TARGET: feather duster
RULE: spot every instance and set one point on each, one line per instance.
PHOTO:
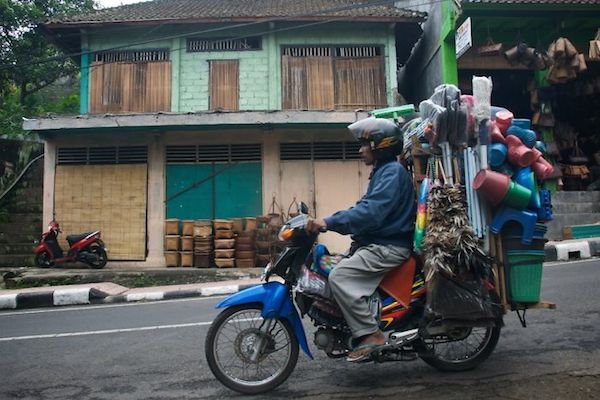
(450, 246)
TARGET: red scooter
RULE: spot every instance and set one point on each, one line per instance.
(85, 247)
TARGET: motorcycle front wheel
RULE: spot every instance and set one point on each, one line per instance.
(249, 354)
(102, 257)
(461, 349)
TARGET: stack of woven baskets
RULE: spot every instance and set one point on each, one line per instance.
(186, 255)
(245, 255)
(267, 246)
(224, 243)
(203, 243)
(172, 242)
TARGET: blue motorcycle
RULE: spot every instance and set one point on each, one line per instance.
(253, 344)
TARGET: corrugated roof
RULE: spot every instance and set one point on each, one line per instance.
(190, 10)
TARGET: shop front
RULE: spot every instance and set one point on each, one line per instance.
(544, 64)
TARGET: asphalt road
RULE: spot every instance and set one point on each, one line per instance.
(155, 351)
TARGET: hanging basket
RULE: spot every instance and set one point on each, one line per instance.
(490, 49)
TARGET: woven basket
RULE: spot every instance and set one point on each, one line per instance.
(224, 234)
(244, 240)
(188, 228)
(172, 227)
(187, 258)
(224, 253)
(172, 258)
(223, 224)
(225, 262)
(172, 242)
(245, 254)
(224, 243)
(187, 243)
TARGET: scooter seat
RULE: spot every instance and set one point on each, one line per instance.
(76, 238)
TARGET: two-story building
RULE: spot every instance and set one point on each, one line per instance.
(216, 109)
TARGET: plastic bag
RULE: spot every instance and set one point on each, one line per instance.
(312, 283)
(468, 300)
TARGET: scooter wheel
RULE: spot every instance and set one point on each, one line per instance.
(102, 257)
(43, 260)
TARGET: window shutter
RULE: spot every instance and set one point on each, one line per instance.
(224, 84)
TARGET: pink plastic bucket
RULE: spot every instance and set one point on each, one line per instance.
(493, 186)
(519, 154)
(504, 120)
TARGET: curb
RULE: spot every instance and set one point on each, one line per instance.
(567, 250)
(63, 297)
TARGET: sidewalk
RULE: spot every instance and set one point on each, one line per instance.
(96, 286)
(106, 292)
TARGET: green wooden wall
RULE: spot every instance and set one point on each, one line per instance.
(220, 190)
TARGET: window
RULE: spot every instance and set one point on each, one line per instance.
(319, 151)
(224, 84)
(179, 154)
(224, 44)
(102, 155)
(333, 77)
(130, 81)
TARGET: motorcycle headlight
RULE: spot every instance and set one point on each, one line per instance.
(285, 233)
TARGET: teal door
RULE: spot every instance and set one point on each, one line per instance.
(214, 190)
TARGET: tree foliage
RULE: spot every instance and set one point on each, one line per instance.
(22, 44)
(22, 77)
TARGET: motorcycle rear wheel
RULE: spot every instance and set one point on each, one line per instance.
(102, 257)
(43, 260)
(230, 342)
(461, 349)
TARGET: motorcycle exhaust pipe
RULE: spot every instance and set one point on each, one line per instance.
(399, 338)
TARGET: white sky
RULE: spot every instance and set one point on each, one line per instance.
(116, 3)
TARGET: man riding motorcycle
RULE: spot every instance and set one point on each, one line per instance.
(382, 227)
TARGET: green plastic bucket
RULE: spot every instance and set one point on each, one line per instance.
(524, 276)
(518, 196)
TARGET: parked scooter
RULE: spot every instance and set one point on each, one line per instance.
(252, 346)
(85, 247)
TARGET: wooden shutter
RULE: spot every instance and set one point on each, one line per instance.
(130, 87)
(224, 84)
(307, 83)
(359, 83)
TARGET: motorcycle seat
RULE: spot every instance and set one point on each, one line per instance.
(76, 238)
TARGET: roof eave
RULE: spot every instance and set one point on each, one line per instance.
(86, 24)
(88, 123)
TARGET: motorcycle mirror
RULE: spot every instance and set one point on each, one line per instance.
(303, 208)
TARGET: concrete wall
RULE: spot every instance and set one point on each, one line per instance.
(260, 70)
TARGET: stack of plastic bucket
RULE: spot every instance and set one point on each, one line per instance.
(524, 263)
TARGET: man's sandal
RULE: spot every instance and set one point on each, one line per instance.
(363, 352)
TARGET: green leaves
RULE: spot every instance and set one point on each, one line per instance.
(22, 78)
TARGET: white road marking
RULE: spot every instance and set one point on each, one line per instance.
(104, 332)
(96, 307)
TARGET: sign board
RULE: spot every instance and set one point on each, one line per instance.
(464, 40)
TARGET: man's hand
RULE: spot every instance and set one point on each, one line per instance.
(316, 225)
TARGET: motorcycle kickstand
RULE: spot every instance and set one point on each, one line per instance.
(262, 341)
